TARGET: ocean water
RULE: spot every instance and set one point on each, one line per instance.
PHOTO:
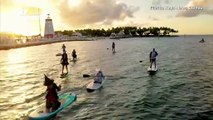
(182, 89)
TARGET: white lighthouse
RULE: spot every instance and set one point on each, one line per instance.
(48, 31)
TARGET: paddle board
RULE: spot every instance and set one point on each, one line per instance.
(152, 69)
(63, 75)
(71, 60)
(66, 99)
(94, 86)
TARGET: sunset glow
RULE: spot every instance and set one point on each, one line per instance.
(74, 3)
(78, 14)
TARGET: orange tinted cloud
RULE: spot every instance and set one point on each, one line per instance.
(94, 11)
(197, 7)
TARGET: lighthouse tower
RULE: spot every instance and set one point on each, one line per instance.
(48, 31)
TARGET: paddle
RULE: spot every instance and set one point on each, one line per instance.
(59, 54)
(86, 75)
(141, 61)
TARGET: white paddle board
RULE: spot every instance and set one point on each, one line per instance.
(94, 86)
(153, 68)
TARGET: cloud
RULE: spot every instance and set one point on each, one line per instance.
(169, 16)
(153, 18)
(24, 7)
(132, 23)
(94, 11)
(159, 2)
(199, 7)
(6, 5)
(167, 1)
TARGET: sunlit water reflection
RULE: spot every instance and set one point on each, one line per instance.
(181, 89)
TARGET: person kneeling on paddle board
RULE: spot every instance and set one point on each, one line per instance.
(52, 102)
(99, 77)
(152, 56)
(64, 61)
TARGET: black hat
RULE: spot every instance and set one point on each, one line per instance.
(47, 81)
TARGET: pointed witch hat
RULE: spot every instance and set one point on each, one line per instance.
(47, 81)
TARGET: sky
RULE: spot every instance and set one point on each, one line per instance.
(186, 16)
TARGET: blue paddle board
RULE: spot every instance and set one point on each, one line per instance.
(66, 99)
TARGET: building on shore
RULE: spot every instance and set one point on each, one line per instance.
(49, 30)
(77, 34)
(119, 35)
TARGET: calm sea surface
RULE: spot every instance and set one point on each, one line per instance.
(182, 89)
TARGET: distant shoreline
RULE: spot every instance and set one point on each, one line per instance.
(47, 41)
(148, 36)
(36, 43)
(44, 42)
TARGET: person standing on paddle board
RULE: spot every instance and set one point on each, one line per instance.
(74, 56)
(113, 47)
(63, 47)
(99, 77)
(51, 96)
(152, 56)
(64, 61)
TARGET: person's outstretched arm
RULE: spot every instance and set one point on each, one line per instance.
(58, 88)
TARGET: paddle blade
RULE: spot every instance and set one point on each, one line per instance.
(140, 61)
(59, 54)
(86, 75)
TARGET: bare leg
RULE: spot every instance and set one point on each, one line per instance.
(151, 64)
(62, 69)
(66, 68)
(155, 64)
(47, 110)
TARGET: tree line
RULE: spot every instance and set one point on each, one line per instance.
(133, 31)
